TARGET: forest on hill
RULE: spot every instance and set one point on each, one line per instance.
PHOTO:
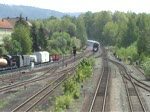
(30, 12)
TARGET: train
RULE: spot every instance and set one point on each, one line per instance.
(93, 45)
(18, 61)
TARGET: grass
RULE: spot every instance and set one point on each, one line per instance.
(3, 103)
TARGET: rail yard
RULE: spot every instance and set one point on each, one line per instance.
(113, 86)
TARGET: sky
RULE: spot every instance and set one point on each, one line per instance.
(137, 6)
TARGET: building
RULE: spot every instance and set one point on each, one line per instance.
(7, 25)
(13, 21)
(5, 29)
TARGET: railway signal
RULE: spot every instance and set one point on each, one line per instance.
(74, 51)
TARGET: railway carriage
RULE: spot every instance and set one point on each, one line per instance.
(42, 56)
(54, 57)
(17, 61)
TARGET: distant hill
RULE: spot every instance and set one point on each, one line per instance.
(30, 12)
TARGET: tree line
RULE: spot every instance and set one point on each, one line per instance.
(60, 34)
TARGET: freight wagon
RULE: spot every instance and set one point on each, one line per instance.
(42, 56)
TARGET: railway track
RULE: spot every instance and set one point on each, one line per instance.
(48, 77)
(43, 76)
(9, 78)
(100, 96)
(136, 81)
(66, 61)
(139, 83)
(23, 83)
(96, 100)
(31, 102)
(139, 70)
(134, 98)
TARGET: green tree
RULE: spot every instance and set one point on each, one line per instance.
(16, 47)
(100, 19)
(81, 30)
(88, 18)
(7, 43)
(131, 34)
(146, 67)
(53, 26)
(21, 21)
(72, 29)
(3, 51)
(42, 38)
(21, 35)
(34, 37)
(143, 44)
(121, 20)
(76, 42)
(109, 33)
(12, 46)
(61, 42)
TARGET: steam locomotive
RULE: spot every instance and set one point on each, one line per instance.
(93, 45)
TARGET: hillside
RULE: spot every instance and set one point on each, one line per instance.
(30, 12)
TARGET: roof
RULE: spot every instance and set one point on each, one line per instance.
(13, 21)
(93, 41)
(4, 24)
(41, 52)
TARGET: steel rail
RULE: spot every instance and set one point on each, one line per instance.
(124, 71)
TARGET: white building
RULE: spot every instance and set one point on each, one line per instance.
(5, 29)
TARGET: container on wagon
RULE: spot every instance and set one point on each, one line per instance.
(42, 56)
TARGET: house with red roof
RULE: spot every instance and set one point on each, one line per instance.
(7, 25)
(5, 29)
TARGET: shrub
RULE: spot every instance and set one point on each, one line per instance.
(146, 67)
(129, 51)
(63, 102)
(71, 86)
(68, 100)
(84, 70)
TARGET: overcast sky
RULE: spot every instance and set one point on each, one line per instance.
(136, 6)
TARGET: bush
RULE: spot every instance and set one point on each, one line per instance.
(68, 100)
(3, 51)
(76, 93)
(63, 102)
(146, 67)
(71, 86)
(129, 51)
(84, 70)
